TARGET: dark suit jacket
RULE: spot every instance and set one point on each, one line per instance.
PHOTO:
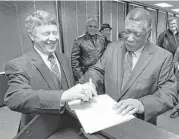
(168, 41)
(152, 80)
(31, 88)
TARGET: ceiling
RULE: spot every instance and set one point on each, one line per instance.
(152, 2)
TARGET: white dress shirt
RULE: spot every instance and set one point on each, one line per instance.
(45, 58)
(135, 56)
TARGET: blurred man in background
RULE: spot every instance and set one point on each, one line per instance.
(169, 39)
(87, 49)
(105, 31)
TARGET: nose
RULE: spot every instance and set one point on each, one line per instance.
(130, 37)
(53, 37)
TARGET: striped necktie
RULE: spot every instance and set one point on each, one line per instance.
(54, 66)
(127, 68)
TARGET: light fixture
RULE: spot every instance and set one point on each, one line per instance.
(176, 10)
(163, 5)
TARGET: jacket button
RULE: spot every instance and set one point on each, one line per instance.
(28, 133)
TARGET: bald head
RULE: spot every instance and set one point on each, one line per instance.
(140, 14)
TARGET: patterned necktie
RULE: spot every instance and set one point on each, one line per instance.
(54, 66)
(127, 68)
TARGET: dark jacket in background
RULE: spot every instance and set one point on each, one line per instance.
(168, 41)
(86, 51)
(176, 63)
(106, 42)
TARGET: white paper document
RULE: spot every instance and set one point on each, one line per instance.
(98, 114)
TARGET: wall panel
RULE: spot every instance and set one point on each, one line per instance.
(81, 14)
(107, 12)
(9, 31)
(161, 23)
(23, 10)
(74, 17)
(69, 25)
(114, 20)
(153, 36)
(121, 16)
(91, 9)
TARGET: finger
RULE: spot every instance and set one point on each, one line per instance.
(94, 92)
(117, 105)
(90, 94)
(135, 110)
(87, 94)
(121, 108)
(90, 81)
(127, 110)
(89, 91)
(81, 96)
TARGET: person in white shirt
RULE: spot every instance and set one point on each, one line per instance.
(41, 81)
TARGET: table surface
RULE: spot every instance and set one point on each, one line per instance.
(133, 129)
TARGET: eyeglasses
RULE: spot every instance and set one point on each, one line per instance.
(175, 114)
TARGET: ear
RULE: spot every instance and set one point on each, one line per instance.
(149, 33)
(31, 37)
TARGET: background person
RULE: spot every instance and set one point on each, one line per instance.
(169, 39)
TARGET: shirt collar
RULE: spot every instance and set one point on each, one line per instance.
(44, 56)
(172, 32)
(138, 51)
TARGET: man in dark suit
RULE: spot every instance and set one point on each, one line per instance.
(137, 73)
(40, 81)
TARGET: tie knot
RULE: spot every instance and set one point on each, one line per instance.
(129, 53)
(51, 57)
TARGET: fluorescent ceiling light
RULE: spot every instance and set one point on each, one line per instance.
(176, 10)
(163, 5)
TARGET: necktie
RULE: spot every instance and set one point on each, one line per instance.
(54, 66)
(127, 69)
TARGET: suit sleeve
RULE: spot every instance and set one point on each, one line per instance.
(75, 60)
(165, 96)
(96, 72)
(22, 98)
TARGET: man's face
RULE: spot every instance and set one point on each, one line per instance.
(92, 27)
(106, 32)
(135, 35)
(46, 38)
(172, 25)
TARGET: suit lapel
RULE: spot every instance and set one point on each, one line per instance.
(64, 67)
(144, 60)
(121, 57)
(42, 68)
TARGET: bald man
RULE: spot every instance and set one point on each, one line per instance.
(87, 49)
(137, 73)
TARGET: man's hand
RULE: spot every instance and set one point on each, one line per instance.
(129, 106)
(178, 67)
(84, 92)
